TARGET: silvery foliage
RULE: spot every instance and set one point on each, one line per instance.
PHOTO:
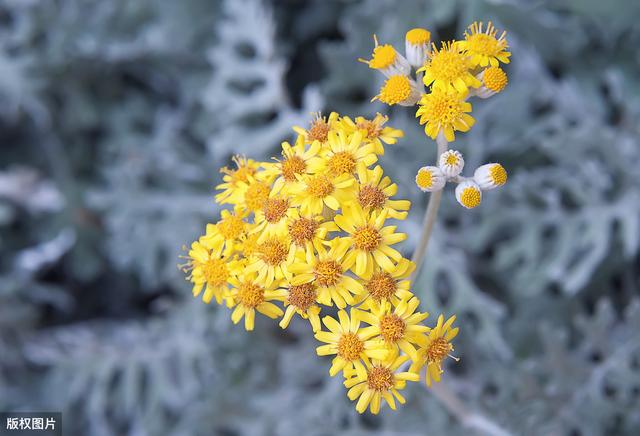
(116, 117)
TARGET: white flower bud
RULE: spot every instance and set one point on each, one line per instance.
(417, 46)
(451, 163)
(468, 194)
(430, 179)
(490, 176)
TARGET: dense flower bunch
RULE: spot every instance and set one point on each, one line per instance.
(445, 78)
(309, 231)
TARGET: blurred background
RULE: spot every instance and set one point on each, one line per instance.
(115, 117)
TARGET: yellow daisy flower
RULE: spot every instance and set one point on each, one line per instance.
(374, 193)
(438, 347)
(391, 286)
(327, 271)
(398, 326)
(484, 47)
(273, 218)
(319, 128)
(444, 111)
(249, 294)
(209, 270)
(344, 153)
(373, 131)
(345, 341)
(448, 69)
(317, 190)
(301, 299)
(398, 89)
(379, 380)
(271, 260)
(308, 233)
(230, 228)
(234, 180)
(369, 240)
(296, 161)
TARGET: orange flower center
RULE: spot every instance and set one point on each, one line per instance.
(391, 328)
(342, 163)
(250, 294)
(380, 378)
(319, 130)
(327, 272)
(274, 209)
(273, 251)
(302, 230)
(381, 286)
(371, 196)
(350, 347)
(302, 296)
(437, 350)
(319, 186)
(366, 238)
(292, 166)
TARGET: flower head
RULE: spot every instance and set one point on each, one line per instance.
(484, 47)
(490, 176)
(437, 348)
(448, 69)
(451, 163)
(373, 131)
(378, 381)
(318, 129)
(398, 89)
(417, 46)
(209, 270)
(468, 194)
(250, 294)
(430, 179)
(444, 112)
(301, 299)
(375, 192)
(387, 60)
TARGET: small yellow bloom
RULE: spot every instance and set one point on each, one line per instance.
(438, 348)
(375, 192)
(391, 286)
(296, 161)
(319, 128)
(416, 46)
(483, 46)
(328, 271)
(344, 152)
(400, 90)
(273, 218)
(230, 228)
(271, 260)
(387, 60)
(444, 111)
(369, 240)
(399, 326)
(373, 131)
(308, 233)
(319, 190)
(345, 341)
(249, 294)
(448, 69)
(301, 299)
(234, 180)
(209, 270)
(468, 194)
(378, 381)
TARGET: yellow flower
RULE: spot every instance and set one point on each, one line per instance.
(391, 286)
(448, 69)
(234, 180)
(444, 111)
(272, 219)
(230, 228)
(438, 347)
(468, 194)
(296, 161)
(416, 46)
(398, 89)
(210, 270)
(387, 60)
(301, 299)
(250, 294)
(271, 260)
(344, 153)
(345, 341)
(398, 326)
(369, 240)
(327, 271)
(317, 190)
(374, 193)
(484, 47)
(308, 233)
(379, 380)
(374, 130)
(253, 195)
(319, 128)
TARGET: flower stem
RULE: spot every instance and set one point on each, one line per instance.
(430, 214)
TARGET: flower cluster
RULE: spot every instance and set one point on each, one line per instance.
(445, 78)
(308, 236)
(469, 189)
